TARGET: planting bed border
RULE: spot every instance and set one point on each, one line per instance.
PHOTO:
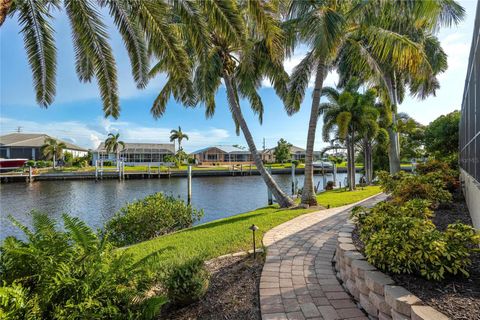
(375, 291)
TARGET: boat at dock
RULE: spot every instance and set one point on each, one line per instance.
(11, 164)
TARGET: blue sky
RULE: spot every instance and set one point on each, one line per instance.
(76, 115)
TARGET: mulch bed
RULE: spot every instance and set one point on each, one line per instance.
(457, 297)
(232, 294)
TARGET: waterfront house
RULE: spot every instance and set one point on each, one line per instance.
(296, 153)
(28, 146)
(222, 155)
(137, 153)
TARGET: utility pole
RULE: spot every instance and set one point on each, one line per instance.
(19, 129)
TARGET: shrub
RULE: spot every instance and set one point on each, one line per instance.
(80, 162)
(295, 162)
(71, 274)
(30, 163)
(188, 282)
(41, 164)
(402, 239)
(440, 170)
(329, 185)
(404, 187)
(150, 217)
(108, 163)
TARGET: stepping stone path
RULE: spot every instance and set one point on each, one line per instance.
(298, 280)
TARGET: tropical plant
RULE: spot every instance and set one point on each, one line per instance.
(93, 54)
(187, 282)
(113, 144)
(71, 273)
(53, 149)
(351, 116)
(412, 137)
(153, 216)
(403, 239)
(239, 43)
(282, 151)
(178, 135)
(329, 29)
(441, 135)
(415, 65)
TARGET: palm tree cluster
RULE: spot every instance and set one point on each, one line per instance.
(201, 45)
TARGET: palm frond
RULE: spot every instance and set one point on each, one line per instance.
(91, 44)
(133, 39)
(225, 16)
(37, 33)
(299, 82)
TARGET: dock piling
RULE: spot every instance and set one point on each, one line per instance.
(270, 196)
(294, 191)
(189, 185)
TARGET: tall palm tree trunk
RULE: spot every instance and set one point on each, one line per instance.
(281, 197)
(351, 163)
(368, 161)
(5, 6)
(308, 194)
(394, 143)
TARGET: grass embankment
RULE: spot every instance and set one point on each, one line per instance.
(231, 234)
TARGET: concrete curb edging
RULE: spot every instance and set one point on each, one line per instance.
(375, 291)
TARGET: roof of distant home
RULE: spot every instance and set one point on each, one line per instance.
(293, 150)
(141, 147)
(32, 140)
(225, 149)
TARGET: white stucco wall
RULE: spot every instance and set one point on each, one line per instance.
(471, 190)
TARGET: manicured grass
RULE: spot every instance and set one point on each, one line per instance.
(231, 234)
(344, 165)
(340, 197)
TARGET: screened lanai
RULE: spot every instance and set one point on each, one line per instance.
(137, 153)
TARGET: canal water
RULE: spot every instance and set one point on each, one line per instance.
(95, 203)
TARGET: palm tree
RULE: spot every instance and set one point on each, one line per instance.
(138, 22)
(52, 149)
(113, 143)
(419, 20)
(331, 28)
(179, 136)
(242, 44)
(351, 116)
(326, 27)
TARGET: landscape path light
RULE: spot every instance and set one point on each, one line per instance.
(254, 228)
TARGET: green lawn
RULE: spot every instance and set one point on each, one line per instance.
(232, 234)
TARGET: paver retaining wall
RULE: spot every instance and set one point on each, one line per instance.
(375, 291)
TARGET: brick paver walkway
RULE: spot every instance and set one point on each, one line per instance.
(298, 280)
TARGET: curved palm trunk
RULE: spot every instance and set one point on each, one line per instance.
(308, 194)
(281, 197)
(5, 6)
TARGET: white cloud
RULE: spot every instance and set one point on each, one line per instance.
(91, 135)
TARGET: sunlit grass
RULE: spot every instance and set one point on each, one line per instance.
(231, 234)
